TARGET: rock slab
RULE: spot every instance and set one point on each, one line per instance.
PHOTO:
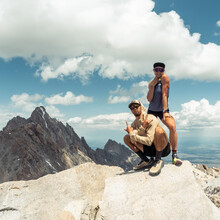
(174, 194)
(70, 194)
(97, 192)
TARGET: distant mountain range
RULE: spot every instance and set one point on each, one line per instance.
(40, 145)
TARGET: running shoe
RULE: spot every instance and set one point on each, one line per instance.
(156, 168)
(144, 164)
(176, 160)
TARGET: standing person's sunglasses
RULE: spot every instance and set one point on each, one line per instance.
(159, 70)
(134, 106)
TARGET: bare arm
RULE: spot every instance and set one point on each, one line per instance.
(165, 86)
(151, 86)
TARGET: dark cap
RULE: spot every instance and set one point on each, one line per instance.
(134, 102)
(159, 64)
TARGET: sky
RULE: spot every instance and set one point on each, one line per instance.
(85, 60)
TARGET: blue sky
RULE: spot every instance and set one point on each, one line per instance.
(85, 60)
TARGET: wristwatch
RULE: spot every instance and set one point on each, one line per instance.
(166, 111)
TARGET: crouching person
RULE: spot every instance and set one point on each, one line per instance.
(147, 139)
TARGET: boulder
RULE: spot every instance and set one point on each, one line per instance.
(70, 194)
(91, 191)
(209, 179)
(174, 194)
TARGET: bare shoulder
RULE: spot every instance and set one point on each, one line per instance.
(165, 79)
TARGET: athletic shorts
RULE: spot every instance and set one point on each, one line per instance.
(156, 114)
(151, 150)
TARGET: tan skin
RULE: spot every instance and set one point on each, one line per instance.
(168, 119)
(160, 138)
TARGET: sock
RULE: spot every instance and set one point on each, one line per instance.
(158, 155)
(174, 151)
(142, 155)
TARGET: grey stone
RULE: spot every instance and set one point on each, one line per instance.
(98, 192)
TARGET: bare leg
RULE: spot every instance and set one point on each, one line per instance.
(133, 147)
(160, 139)
(138, 149)
(160, 142)
(170, 123)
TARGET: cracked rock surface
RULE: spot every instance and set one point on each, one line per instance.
(99, 192)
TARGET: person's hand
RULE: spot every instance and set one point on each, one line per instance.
(154, 81)
(129, 128)
(165, 115)
(146, 122)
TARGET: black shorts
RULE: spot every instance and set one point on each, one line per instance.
(156, 114)
(151, 150)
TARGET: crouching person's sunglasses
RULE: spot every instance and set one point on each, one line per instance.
(134, 106)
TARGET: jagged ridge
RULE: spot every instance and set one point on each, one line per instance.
(40, 145)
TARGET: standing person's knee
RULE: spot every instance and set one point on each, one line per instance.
(172, 128)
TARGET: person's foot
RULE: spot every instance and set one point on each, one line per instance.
(176, 160)
(144, 164)
(156, 168)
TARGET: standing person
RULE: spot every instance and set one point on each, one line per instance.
(146, 138)
(158, 93)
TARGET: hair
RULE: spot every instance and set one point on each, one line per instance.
(159, 64)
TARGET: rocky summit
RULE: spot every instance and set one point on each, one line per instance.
(209, 179)
(99, 192)
(31, 148)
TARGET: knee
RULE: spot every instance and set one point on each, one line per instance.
(172, 128)
(126, 139)
(160, 134)
(159, 131)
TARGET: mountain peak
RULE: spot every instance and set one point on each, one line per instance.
(40, 145)
(40, 116)
(33, 147)
(41, 111)
(113, 146)
(14, 123)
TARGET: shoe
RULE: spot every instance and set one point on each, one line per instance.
(144, 165)
(176, 160)
(156, 168)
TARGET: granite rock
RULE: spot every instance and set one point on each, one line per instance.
(90, 191)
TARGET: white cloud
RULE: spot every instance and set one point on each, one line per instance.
(218, 23)
(123, 37)
(80, 67)
(137, 91)
(198, 114)
(54, 112)
(26, 102)
(75, 120)
(105, 121)
(68, 99)
(117, 99)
